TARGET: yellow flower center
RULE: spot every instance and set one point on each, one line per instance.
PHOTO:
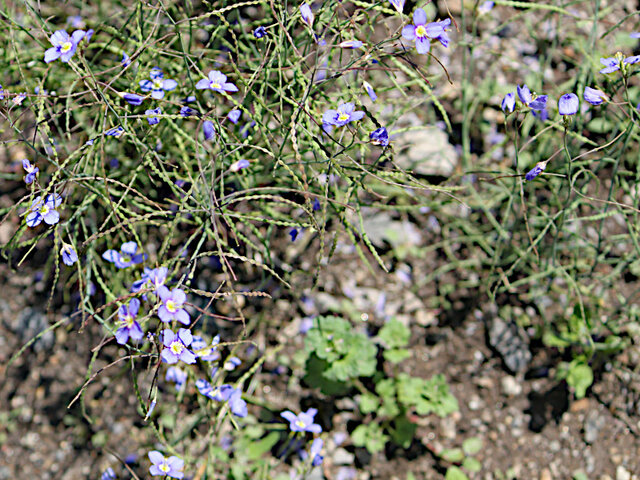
(300, 423)
(127, 321)
(66, 46)
(44, 210)
(163, 467)
(157, 84)
(176, 348)
(421, 31)
(343, 117)
(215, 85)
(171, 306)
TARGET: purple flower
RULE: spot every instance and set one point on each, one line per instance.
(634, 34)
(216, 81)
(611, 64)
(31, 170)
(209, 130)
(207, 353)
(369, 89)
(593, 96)
(350, 44)
(239, 165)
(632, 60)
(314, 452)
(128, 325)
(293, 233)
(379, 137)
(316, 205)
(1, 93)
(568, 104)
(423, 33)
(132, 98)
(535, 171)
(234, 115)
(157, 84)
(126, 61)
(151, 115)
(126, 257)
(205, 388)
(306, 14)
(343, 115)
(44, 210)
(397, 4)
(171, 308)
(176, 346)
(179, 377)
(302, 422)
(69, 255)
(509, 102)
(64, 46)
(18, 99)
(259, 32)
(542, 115)
(169, 467)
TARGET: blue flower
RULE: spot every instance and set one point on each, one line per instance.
(306, 14)
(486, 7)
(593, 96)
(535, 171)
(343, 115)
(179, 377)
(293, 233)
(132, 98)
(31, 170)
(314, 452)
(234, 115)
(128, 326)
(380, 137)
(126, 257)
(157, 84)
(509, 102)
(216, 81)
(64, 45)
(175, 346)
(115, 131)
(397, 4)
(108, 474)
(568, 104)
(187, 111)
(239, 165)
(525, 96)
(165, 467)
(423, 33)
(126, 61)
(69, 255)
(209, 130)
(172, 305)
(611, 64)
(151, 115)
(237, 405)
(259, 32)
(207, 353)
(350, 44)
(44, 210)
(1, 93)
(369, 89)
(231, 364)
(302, 422)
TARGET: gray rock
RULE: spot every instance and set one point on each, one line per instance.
(426, 151)
(510, 342)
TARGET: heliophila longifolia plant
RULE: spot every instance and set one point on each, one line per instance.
(164, 158)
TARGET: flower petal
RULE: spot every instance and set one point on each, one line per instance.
(419, 17)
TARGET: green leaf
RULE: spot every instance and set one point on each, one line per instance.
(471, 464)
(368, 403)
(600, 125)
(394, 334)
(453, 455)
(454, 473)
(427, 396)
(396, 355)
(580, 377)
(258, 448)
(472, 445)
(403, 432)
(369, 436)
(315, 378)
